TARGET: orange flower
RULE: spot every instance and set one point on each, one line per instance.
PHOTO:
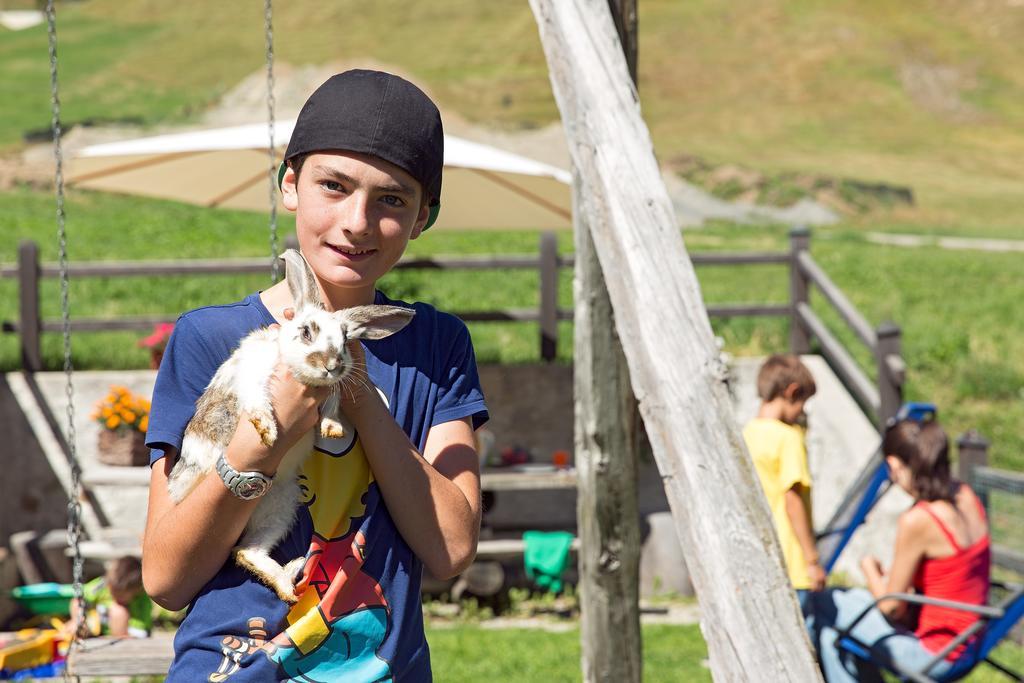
(121, 407)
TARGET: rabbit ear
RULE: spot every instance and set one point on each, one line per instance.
(375, 322)
(301, 281)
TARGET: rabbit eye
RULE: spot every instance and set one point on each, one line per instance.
(307, 336)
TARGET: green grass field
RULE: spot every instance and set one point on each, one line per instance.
(671, 653)
(467, 653)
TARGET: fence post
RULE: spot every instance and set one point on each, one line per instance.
(890, 381)
(972, 450)
(548, 296)
(29, 325)
(799, 241)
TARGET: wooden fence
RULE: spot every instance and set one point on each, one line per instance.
(879, 400)
(974, 469)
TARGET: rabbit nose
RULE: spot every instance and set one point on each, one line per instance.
(335, 366)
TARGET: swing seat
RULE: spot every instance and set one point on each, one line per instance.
(994, 623)
(861, 497)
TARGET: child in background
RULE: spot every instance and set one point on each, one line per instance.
(775, 440)
(116, 604)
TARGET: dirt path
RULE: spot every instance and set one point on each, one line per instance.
(246, 103)
(953, 243)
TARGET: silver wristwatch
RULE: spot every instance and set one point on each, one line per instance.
(245, 485)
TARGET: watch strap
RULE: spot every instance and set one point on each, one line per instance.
(233, 479)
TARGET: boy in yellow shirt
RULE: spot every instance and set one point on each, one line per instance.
(776, 444)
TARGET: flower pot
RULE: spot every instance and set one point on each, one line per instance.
(126, 447)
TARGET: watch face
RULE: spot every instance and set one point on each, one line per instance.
(252, 488)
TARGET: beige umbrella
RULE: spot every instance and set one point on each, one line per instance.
(484, 187)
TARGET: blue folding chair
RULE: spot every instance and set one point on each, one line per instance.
(994, 623)
(870, 485)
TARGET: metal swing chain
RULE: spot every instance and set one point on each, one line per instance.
(74, 504)
(268, 15)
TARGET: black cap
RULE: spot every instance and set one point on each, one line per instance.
(375, 113)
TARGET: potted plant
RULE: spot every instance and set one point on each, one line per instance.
(123, 418)
(156, 343)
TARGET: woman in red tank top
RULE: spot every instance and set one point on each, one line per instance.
(942, 551)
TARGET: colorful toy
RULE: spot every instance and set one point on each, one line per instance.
(45, 598)
(34, 652)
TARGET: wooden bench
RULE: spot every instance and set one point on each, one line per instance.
(123, 656)
(506, 548)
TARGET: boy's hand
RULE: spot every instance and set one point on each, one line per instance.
(295, 405)
(817, 575)
(295, 412)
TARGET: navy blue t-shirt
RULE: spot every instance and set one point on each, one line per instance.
(359, 617)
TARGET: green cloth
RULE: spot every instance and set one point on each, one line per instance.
(140, 609)
(545, 555)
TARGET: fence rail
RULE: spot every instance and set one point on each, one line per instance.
(879, 400)
(999, 480)
(974, 470)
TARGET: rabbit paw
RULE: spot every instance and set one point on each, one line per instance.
(286, 591)
(331, 429)
(270, 573)
(294, 569)
(266, 426)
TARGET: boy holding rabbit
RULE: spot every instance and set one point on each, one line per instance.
(399, 491)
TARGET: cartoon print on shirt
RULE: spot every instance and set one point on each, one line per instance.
(234, 649)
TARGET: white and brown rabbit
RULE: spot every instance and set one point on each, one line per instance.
(312, 345)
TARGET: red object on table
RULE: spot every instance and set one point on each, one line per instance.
(515, 455)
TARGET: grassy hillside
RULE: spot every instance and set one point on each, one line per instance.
(929, 94)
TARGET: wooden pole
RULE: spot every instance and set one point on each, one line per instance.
(29, 324)
(972, 451)
(799, 242)
(751, 620)
(548, 312)
(624, 15)
(890, 388)
(606, 464)
(606, 428)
